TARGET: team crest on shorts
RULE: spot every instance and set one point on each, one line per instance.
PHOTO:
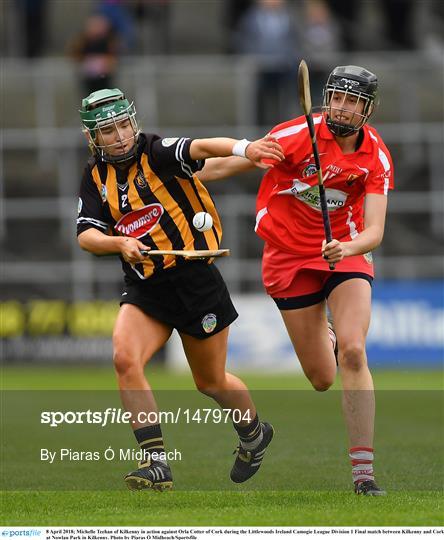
(368, 257)
(309, 170)
(209, 322)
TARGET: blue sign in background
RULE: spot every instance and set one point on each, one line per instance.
(407, 326)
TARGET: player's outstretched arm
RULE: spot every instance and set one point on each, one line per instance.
(256, 151)
(219, 168)
(99, 243)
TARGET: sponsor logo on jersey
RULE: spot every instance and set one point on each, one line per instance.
(368, 257)
(209, 323)
(335, 198)
(309, 170)
(140, 180)
(296, 188)
(79, 206)
(310, 195)
(103, 193)
(169, 141)
(140, 222)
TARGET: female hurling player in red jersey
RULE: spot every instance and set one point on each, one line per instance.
(358, 173)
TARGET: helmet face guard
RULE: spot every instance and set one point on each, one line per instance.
(106, 108)
(349, 81)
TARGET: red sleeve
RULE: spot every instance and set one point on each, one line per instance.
(381, 179)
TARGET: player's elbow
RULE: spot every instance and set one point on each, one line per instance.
(83, 242)
(209, 172)
(377, 235)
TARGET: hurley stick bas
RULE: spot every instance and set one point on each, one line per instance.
(305, 100)
(187, 253)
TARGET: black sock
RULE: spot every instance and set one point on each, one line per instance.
(151, 442)
(250, 435)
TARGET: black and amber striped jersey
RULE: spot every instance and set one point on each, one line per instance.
(154, 200)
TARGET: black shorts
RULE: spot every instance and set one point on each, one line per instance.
(192, 298)
(330, 283)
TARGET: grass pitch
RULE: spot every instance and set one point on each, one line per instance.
(305, 478)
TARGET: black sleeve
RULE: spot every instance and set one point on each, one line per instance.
(90, 210)
(171, 157)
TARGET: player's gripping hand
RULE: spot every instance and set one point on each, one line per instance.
(130, 250)
(265, 152)
(334, 251)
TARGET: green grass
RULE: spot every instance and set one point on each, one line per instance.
(305, 480)
(215, 508)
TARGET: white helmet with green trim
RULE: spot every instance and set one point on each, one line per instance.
(102, 109)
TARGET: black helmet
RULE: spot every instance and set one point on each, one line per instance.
(358, 82)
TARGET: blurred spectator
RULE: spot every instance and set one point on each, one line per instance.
(433, 40)
(397, 18)
(398, 15)
(33, 17)
(346, 14)
(234, 12)
(321, 37)
(120, 17)
(95, 50)
(267, 31)
(321, 31)
(152, 19)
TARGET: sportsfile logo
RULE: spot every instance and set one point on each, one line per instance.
(21, 533)
(140, 222)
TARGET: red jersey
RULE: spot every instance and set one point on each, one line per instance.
(288, 211)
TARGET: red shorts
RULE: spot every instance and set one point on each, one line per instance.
(308, 280)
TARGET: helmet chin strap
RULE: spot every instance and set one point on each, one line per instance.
(341, 130)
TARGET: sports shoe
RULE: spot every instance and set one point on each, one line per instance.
(248, 462)
(368, 487)
(331, 331)
(150, 475)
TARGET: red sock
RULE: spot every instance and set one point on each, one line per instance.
(362, 463)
